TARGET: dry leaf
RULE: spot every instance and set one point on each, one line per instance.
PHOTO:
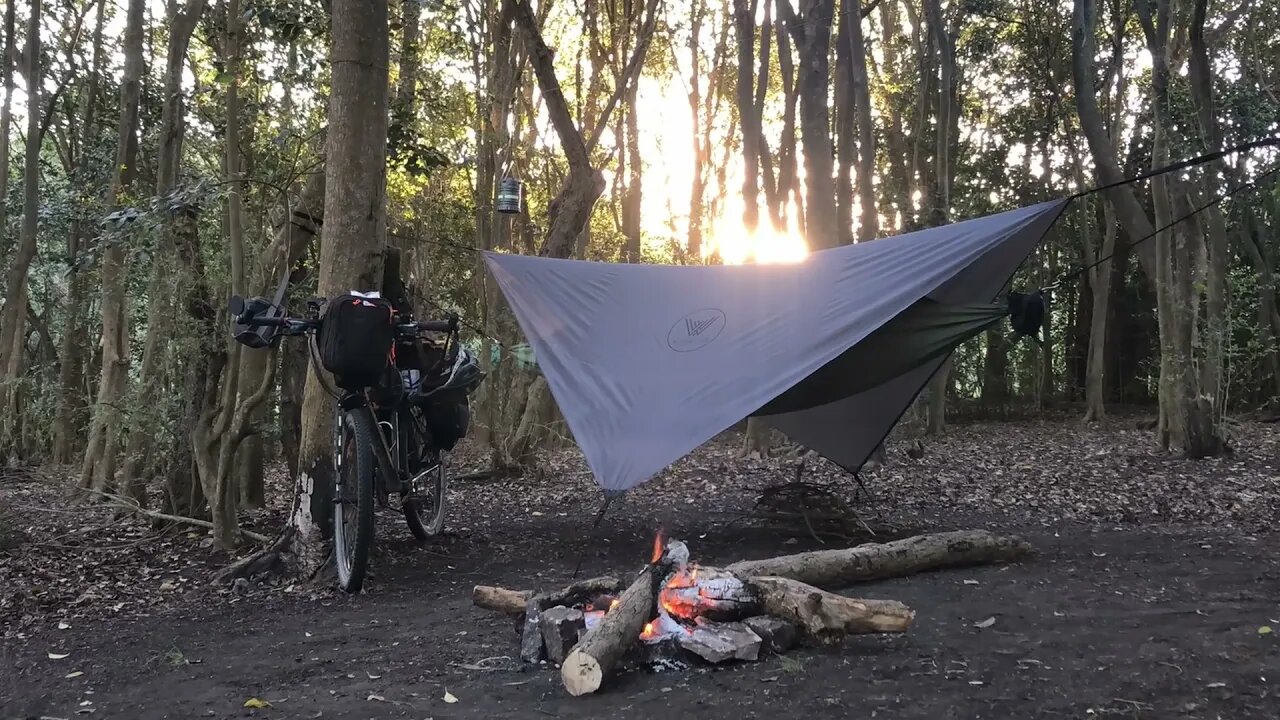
(986, 623)
(63, 626)
(75, 674)
(1264, 630)
(56, 656)
(375, 698)
(372, 676)
(449, 698)
(970, 582)
(254, 702)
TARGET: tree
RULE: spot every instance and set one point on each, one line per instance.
(13, 317)
(355, 234)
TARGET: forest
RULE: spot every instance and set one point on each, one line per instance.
(162, 156)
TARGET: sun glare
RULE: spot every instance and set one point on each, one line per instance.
(766, 244)
(667, 134)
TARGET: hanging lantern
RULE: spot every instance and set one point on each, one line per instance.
(510, 196)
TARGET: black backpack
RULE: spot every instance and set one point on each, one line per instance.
(357, 340)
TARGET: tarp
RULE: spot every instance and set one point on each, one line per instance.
(647, 362)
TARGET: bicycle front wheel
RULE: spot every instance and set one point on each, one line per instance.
(353, 498)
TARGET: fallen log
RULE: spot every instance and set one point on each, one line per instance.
(513, 602)
(825, 616)
(599, 650)
(876, 561)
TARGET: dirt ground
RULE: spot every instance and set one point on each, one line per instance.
(1142, 604)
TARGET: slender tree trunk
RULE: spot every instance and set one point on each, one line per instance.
(632, 203)
(13, 317)
(182, 24)
(845, 121)
(68, 426)
(98, 470)
(697, 187)
(811, 30)
(869, 217)
(351, 255)
(6, 117)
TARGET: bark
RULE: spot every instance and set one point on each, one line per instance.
(845, 122)
(869, 217)
(825, 616)
(1129, 211)
(757, 442)
(811, 31)
(182, 24)
(790, 198)
(351, 255)
(632, 201)
(6, 117)
(1216, 319)
(895, 136)
(744, 14)
(938, 384)
(600, 649)
(940, 213)
(513, 602)
(570, 210)
(98, 470)
(68, 425)
(410, 53)
(701, 147)
(14, 314)
(878, 561)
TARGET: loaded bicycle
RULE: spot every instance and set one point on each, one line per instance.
(401, 404)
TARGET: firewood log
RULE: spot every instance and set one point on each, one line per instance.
(513, 602)
(875, 561)
(826, 616)
(600, 649)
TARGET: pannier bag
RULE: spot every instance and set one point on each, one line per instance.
(357, 339)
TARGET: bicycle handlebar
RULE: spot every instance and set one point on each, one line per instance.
(243, 314)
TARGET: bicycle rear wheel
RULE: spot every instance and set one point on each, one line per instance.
(353, 498)
(423, 504)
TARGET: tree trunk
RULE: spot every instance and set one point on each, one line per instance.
(151, 375)
(98, 470)
(937, 424)
(13, 317)
(845, 122)
(1132, 217)
(68, 426)
(6, 117)
(351, 255)
(833, 569)
(869, 217)
(811, 31)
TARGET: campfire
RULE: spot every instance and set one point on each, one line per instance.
(676, 612)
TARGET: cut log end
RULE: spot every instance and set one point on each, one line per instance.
(581, 673)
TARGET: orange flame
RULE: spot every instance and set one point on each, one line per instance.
(613, 603)
(658, 545)
(647, 632)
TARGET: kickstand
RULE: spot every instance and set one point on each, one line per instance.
(595, 524)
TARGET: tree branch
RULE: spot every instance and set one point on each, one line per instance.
(629, 74)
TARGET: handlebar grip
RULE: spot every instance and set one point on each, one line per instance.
(259, 321)
(436, 326)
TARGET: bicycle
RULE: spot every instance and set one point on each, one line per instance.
(401, 404)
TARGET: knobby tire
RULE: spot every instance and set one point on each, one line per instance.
(353, 538)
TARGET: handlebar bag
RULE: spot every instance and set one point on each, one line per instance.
(356, 340)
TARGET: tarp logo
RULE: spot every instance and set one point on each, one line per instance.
(696, 330)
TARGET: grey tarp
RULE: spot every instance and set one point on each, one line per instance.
(647, 362)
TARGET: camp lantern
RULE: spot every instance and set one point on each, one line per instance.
(510, 196)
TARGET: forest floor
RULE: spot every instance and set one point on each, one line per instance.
(1154, 585)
